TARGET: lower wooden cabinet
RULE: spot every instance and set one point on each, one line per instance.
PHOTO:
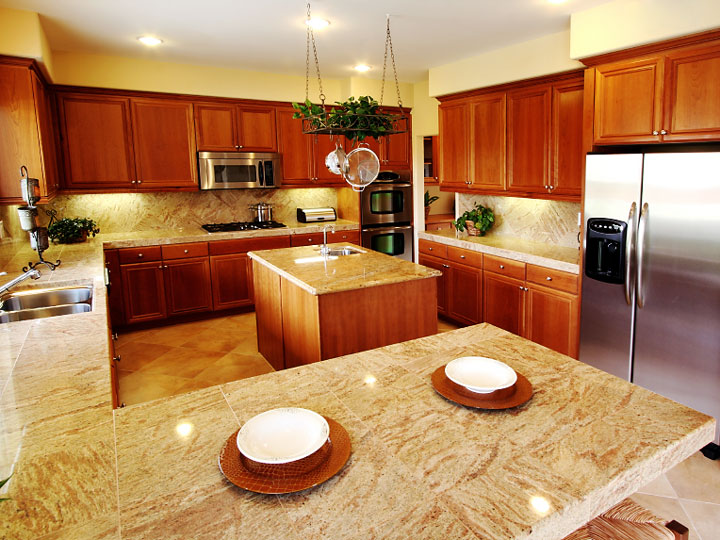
(310, 239)
(143, 291)
(551, 319)
(232, 280)
(187, 286)
(442, 287)
(504, 302)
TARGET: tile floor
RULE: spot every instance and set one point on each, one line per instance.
(176, 359)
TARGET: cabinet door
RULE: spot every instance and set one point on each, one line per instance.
(216, 127)
(187, 285)
(465, 294)
(50, 180)
(322, 145)
(97, 142)
(692, 95)
(397, 151)
(296, 148)
(256, 129)
(143, 291)
(528, 139)
(503, 302)
(19, 142)
(487, 142)
(628, 101)
(309, 239)
(442, 281)
(164, 143)
(454, 121)
(114, 288)
(231, 281)
(552, 319)
(567, 149)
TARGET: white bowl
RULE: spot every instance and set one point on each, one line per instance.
(282, 435)
(480, 374)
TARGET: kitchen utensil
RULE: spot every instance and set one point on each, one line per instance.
(480, 374)
(363, 167)
(522, 391)
(28, 217)
(336, 161)
(263, 211)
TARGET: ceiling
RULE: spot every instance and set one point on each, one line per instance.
(269, 35)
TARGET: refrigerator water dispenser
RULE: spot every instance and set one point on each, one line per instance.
(605, 250)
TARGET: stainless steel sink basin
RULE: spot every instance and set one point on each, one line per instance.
(341, 252)
(41, 298)
(40, 313)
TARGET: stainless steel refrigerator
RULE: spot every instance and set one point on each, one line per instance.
(651, 283)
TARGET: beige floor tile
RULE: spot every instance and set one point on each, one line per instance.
(697, 478)
(660, 486)
(182, 362)
(139, 386)
(214, 340)
(705, 518)
(138, 353)
(173, 335)
(232, 367)
(246, 345)
(667, 508)
(446, 326)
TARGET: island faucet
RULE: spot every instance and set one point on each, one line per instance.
(33, 274)
(324, 249)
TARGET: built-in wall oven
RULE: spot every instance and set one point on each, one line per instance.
(386, 214)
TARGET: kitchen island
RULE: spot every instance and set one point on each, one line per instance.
(311, 307)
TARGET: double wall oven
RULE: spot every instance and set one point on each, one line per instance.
(386, 214)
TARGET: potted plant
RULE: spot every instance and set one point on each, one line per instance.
(428, 201)
(477, 221)
(72, 230)
(355, 118)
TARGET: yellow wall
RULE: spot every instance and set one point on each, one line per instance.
(21, 34)
(541, 56)
(424, 114)
(627, 23)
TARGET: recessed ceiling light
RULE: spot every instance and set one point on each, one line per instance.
(362, 68)
(150, 41)
(316, 23)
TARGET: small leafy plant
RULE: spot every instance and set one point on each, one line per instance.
(481, 217)
(355, 118)
(429, 200)
(72, 230)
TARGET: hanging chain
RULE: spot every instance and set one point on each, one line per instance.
(311, 38)
(388, 45)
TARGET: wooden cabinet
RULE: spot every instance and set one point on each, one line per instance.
(143, 292)
(113, 277)
(97, 142)
(164, 144)
(442, 281)
(187, 285)
(431, 160)
(394, 151)
(504, 302)
(454, 144)
(551, 319)
(669, 94)
(487, 142)
(230, 127)
(567, 156)
(26, 136)
(309, 239)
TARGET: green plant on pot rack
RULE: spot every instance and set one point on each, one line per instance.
(477, 221)
(428, 201)
(72, 230)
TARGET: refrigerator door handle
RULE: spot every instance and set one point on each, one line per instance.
(642, 231)
(629, 252)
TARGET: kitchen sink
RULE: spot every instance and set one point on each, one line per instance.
(45, 298)
(40, 313)
(341, 252)
(41, 303)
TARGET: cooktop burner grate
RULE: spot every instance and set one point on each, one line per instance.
(242, 226)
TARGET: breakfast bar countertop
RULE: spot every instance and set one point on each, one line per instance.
(309, 270)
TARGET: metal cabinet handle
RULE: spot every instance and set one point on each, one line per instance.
(445, 266)
(642, 231)
(655, 132)
(186, 251)
(133, 181)
(629, 253)
(663, 132)
(116, 358)
(166, 266)
(462, 256)
(430, 249)
(502, 267)
(240, 145)
(522, 288)
(160, 267)
(548, 278)
(139, 181)
(140, 255)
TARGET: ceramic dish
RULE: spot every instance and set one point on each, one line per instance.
(480, 374)
(505, 398)
(235, 471)
(282, 435)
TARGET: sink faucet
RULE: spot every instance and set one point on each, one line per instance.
(324, 249)
(33, 274)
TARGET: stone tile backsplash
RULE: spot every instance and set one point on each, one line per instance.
(553, 222)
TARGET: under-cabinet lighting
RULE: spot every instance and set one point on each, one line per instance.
(150, 41)
(316, 23)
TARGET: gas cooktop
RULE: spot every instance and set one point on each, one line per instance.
(242, 226)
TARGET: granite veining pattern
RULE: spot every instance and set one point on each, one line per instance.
(421, 467)
(316, 274)
(547, 255)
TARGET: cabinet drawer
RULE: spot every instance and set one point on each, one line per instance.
(183, 251)
(344, 236)
(505, 267)
(306, 239)
(140, 254)
(243, 245)
(465, 256)
(433, 248)
(555, 279)
(439, 226)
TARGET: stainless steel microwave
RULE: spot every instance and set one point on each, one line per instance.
(235, 170)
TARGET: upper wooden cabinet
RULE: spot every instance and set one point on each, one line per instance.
(394, 151)
(26, 136)
(566, 146)
(164, 144)
(229, 128)
(662, 95)
(454, 154)
(487, 141)
(97, 142)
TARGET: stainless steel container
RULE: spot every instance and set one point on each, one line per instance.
(263, 211)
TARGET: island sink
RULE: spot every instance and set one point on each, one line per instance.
(42, 303)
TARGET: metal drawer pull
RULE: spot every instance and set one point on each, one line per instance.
(462, 256)
(445, 266)
(548, 278)
(663, 132)
(186, 251)
(656, 133)
(429, 249)
(502, 267)
(160, 267)
(140, 255)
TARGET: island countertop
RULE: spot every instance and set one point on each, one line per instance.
(305, 267)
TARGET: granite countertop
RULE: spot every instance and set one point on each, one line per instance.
(421, 467)
(316, 274)
(547, 255)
